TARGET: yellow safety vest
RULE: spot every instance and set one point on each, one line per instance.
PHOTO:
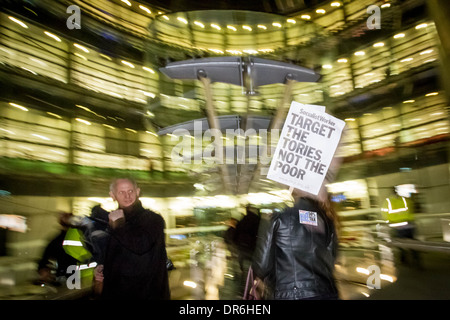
(397, 211)
(73, 245)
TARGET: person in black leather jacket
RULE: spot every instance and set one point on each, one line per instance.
(296, 250)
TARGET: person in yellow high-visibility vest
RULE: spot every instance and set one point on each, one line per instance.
(398, 212)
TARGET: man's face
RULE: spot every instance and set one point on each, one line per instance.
(125, 193)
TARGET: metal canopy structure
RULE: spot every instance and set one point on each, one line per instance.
(249, 73)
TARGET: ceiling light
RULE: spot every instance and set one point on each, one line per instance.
(83, 107)
(83, 121)
(426, 52)
(127, 2)
(40, 137)
(431, 94)
(406, 60)
(291, 21)
(359, 53)
(79, 46)
(399, 35)
(18, 22)
(147, 94)
(165, 17)
(51, 35)
(378, 45)
(321, 11)
(54, 115)
(327, 66)
(131, 130)
(409, 101)
(231, 28)
(342, 60)
(247, 27)
(145, 9)
(234, 51)
(182, 20)
(108, 126)
(422, 25)
(215, 26)
(276, 24)
(18, 106)
(80, 55)
(305, 16)
(148, 69)
(335, 4)
(127, 63)
(152, 133)
(262, 26)
(198, 23)
(385, 5)
(216, 50)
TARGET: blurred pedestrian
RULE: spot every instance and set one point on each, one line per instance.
(297, 248)
(245, 241)
(55, 260)
(245, 236)
(135, 258)
(229, 236)
(398, 212)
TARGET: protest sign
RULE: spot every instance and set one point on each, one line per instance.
(307, 144)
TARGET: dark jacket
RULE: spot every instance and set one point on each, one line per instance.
(296, 255)
(135, 260)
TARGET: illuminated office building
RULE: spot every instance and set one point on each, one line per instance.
(81, 104)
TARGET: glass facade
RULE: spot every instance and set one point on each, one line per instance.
(81, 106)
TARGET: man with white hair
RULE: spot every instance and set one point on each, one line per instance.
(135, 258)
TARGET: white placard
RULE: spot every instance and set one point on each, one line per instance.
(307, 144)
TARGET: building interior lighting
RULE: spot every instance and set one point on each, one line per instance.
(129, 64)
(51, 35)
(181, 19)
(359, 53)
(276, 24)
(80, 56)
(198, 23)
(421, 26)
(232, 28)
(79, 46)
(215, 26)
(291, 21)
(399, 36)
(18, 22)
(54, 115)
(148, 69)
(262, 26)
(40, 136)
(305, 16)
(145, 9)
(18, 106)
(128, 3)
(335, 4)
(83, 121)
(248, 28)
(321, 11)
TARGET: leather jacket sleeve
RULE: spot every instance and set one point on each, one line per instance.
(264, 255)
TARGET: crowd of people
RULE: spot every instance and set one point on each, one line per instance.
(292, 252)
